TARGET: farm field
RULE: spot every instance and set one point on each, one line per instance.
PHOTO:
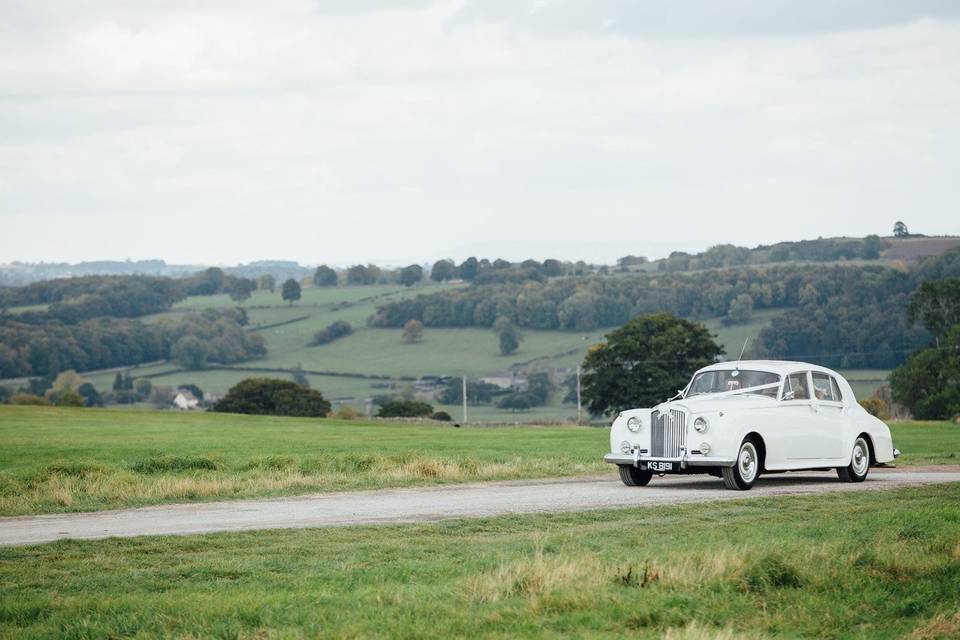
(877, 564)
(57, 459)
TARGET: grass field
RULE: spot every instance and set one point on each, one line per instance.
(54, 459)
(877, 564)
(85, 459)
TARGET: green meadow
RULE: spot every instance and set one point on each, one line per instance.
(61, 459)
(873, 564)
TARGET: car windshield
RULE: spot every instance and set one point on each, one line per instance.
(733, 380)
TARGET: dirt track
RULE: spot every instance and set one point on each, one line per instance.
(431, 503)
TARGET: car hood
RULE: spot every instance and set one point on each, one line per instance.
(706, 403)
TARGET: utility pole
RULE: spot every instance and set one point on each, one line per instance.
(464, 398)
(579, 403)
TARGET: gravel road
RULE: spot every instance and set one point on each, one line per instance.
(431, 503)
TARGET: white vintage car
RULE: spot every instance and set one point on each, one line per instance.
(736, 420)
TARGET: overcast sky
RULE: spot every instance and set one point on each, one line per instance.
(367, 130)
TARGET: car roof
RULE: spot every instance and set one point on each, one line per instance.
(781, 367)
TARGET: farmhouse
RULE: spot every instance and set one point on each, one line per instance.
(185, 400)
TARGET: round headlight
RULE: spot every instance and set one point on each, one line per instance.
(625, 447)
(634, 424)
(705, 448)
(700, 425)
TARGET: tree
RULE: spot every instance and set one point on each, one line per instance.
(411, 275)
(118, 382)
(363, 275)
(190, 352)
(405, 409)
(644, 362)
(936, 305)
(194, 389)
(325, 277)
(331, 332)
(928, 383)
(143, 387)
(469, 269)
(413, 331)
(552, 267)
(267, 396)
(741, 309)
(241, 289)
(69, 398)
(507, 334)
(516, 402)
(443, 270)
(300, 377)
(67, 381)
(290, 291)
(267, 282)
(900, 230)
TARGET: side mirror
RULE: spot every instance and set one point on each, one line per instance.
(789, 395)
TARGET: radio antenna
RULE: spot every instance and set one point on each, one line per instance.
(742, 349)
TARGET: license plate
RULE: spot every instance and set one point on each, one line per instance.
(660, 466)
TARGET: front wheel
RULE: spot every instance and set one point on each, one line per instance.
(859, 465)
(743, 474)
(634, 477)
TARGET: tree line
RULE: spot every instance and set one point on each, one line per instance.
(840, 315)
(192, 341)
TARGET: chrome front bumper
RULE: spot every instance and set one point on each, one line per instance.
(684, 461)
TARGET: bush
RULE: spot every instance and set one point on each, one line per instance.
(443, 416)
(28, 399)
(347, 412)
(516, 402)
(69, 398)
(331, 332)
(266, 396)
(405, 409)
(876, 407)
(770, 572)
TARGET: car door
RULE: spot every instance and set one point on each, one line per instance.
(828, 404)
(800, 426)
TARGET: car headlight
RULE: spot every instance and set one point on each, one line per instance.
(634, 424)
(625, 447)
(705, 448)
(700, 424)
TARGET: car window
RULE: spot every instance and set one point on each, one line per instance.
(836, 389)
(797, 382)
(719, 381)
(823, 386)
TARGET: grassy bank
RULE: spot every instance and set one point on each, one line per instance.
(55, 459)
(879, 564)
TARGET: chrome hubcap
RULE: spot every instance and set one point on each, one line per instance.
(861, 457)
(747, 463)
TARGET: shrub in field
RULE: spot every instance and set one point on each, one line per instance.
(405, 409)
(876, 407)
(26, 398)
(770, 572)
(347, 412)
(331, 332)
(266, 396)
(443, 416)
(164, 463)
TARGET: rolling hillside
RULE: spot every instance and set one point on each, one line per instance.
(375, 361)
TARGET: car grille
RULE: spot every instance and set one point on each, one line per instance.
(668, 433)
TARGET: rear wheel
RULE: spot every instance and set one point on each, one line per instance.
(859, 465)
(744, 472)
(634, 477)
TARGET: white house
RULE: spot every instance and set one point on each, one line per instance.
(184, 400)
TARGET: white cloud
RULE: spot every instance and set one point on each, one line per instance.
(310, 131)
